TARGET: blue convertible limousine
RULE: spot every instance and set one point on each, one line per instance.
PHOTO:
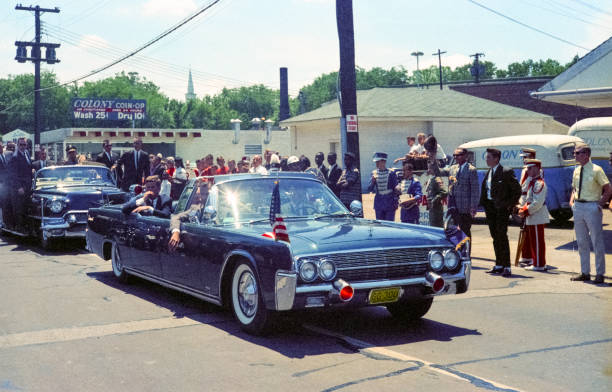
(228, 253)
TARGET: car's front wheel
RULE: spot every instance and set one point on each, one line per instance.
(117, 263)
(247, 301)
(410, 310)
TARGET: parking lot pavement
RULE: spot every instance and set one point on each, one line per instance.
(561, 249)
(66, 324)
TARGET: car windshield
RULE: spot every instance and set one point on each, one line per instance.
(249, 200)
(73, 175)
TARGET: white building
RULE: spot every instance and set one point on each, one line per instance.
(388, 115)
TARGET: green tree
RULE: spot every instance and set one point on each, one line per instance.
(17, 103)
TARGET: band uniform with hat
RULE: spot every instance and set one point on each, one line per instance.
(383, 183)
(532, 205)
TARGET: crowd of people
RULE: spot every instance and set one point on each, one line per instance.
(500, 193)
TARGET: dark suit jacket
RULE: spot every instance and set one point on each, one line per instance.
(332, 178)
(131, 173)
(505, 189)
(158, 171)
(36, 165)
(102, 158)
(325, 170)
(163, 209)
(4, 177)
(20, 172)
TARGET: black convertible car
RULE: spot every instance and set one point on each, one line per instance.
(229, 255)
(61, 197)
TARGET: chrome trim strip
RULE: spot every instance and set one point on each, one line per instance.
(170, 285)
(327, 287)
(284, 289)
(378, 248)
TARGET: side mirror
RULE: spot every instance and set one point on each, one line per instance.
(209, 213)
(356, 208)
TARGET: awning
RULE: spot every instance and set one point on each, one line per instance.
(600, 97)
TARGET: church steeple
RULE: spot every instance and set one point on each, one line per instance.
(190, 94)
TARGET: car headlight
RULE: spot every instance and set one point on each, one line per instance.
(308, 270)
(56, 206)
(451, 259)
(327, 270)
(436, 260)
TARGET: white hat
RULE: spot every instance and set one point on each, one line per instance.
(292, 159)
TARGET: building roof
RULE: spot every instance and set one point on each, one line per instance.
(419, 103)
(572, 87)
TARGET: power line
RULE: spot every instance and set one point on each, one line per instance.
(568, 15)
(143, 47)
(591, 6)
(526, 25)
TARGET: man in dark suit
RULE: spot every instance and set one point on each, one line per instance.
(20, 173)
(135, 165)
(42, 162)
(500, 192)
(151, 202)
(319, 159)
(334, 173)
(107, 157)
(4, 185)
(195, 213)
(463, 189)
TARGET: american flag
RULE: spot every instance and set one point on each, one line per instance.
(279, 229)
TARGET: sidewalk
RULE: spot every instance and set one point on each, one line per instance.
(561, 249)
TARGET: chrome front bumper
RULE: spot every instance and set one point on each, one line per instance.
(450, 285)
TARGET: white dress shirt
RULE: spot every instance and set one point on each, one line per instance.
(489, 181)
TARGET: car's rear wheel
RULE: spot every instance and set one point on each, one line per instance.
(247, 301)
(410, 310)
(117, 264)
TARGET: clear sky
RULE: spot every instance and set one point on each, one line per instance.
(241, 42)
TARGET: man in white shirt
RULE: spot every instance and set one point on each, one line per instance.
(256, 166)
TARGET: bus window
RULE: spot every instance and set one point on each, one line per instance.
(567, 153)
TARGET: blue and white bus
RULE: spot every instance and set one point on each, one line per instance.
(556, 153)
(597, 133)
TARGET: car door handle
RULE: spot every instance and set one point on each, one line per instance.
(150, 237)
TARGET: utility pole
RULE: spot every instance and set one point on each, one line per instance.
(417, 54)
(35, 57)
(347, 98)
(439, 54)
(477, 69)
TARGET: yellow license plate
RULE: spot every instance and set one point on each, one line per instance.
(381, 296)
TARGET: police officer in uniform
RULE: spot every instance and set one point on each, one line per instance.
(72, 158)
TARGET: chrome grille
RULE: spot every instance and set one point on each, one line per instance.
(384, 272)
(378, 257)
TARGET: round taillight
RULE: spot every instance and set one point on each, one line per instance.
(438, 285)
(346, 294)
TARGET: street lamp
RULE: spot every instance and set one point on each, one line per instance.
(417, 54)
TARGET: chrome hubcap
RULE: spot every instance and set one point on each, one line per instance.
(247, 294)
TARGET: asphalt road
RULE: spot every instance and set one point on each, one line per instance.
(67, 325)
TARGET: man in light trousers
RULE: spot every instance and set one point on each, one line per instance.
(590, 191)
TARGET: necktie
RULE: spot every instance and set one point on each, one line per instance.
(580, 184)
(42, 164)
(136, 159)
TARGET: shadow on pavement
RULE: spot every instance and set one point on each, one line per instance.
(65, 246)
(573, 245)
(288, 337)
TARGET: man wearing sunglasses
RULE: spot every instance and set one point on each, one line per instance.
(590, 191)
